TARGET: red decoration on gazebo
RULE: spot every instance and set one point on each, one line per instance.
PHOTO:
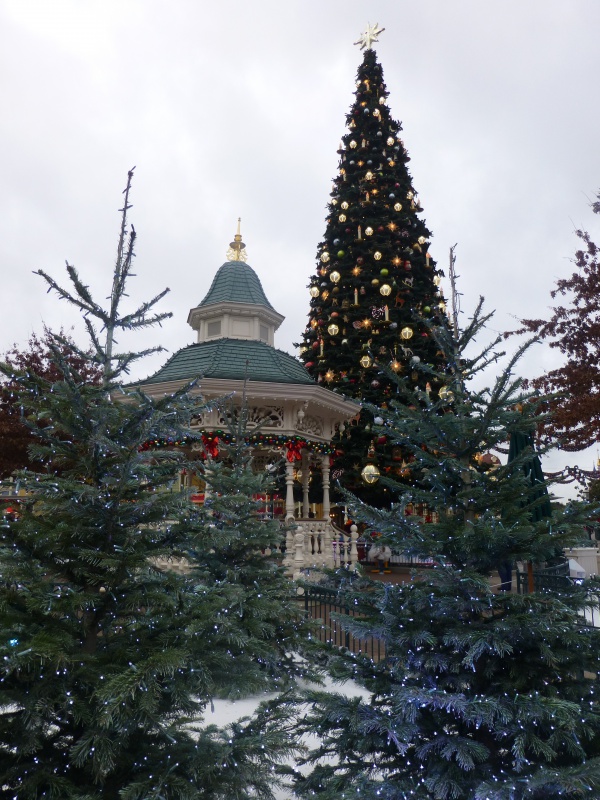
(294, 451)
(211, 445)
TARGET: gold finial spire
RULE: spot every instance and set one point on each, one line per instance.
(237, 249)
(369, 36)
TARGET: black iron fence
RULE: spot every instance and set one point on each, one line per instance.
(323, 605)
(547, 579)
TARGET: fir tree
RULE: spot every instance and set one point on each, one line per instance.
(481, 694)
(124, 609)
(375, 282)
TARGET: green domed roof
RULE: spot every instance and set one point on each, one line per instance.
(233, 359)
(236, 282)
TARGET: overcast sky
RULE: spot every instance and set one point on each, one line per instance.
(236, 109)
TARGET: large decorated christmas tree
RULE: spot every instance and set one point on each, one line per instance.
(375, 286)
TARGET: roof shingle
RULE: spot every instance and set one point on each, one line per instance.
(236, 282)
(233, 359)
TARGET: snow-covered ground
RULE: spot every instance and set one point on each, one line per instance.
(226, 712)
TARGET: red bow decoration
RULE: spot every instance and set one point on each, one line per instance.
(211, 445)
(293, 451)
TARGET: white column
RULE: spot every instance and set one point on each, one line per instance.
(325, 473)
(353, 547)
(288, 560)
(289, 489)
(305, 479)
(298, 553)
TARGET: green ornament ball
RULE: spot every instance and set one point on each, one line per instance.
(427, 309)
(384, 272)
(341, 253)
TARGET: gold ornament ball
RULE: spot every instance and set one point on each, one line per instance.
(370, 473)
(314, 291)
(382, 102)
(333, 330)
(345, 205)
(437, 280)
(369, 231)
(406, 333)
(421, 240)
(353, 144)
(365, 361)
(369, 176)
(386, 289)
(342, 218)
(335, 276)
(325, 257)
(377, 255)
(397, 206)
(446, 394)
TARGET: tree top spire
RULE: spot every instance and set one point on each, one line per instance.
(371, 35)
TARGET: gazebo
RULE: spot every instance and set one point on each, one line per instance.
(235, 357)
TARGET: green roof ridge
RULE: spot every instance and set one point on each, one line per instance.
(236, 282)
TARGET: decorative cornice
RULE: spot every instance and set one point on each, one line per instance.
(211, 388)
(268, 315)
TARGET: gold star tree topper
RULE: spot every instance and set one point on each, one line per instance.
(369, 36)
(237, 249)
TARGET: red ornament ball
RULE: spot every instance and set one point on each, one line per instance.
(380, 229)
(360, 260)
(375, 384)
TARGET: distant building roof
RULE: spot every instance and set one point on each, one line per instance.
(234, 359)
(236, 282)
